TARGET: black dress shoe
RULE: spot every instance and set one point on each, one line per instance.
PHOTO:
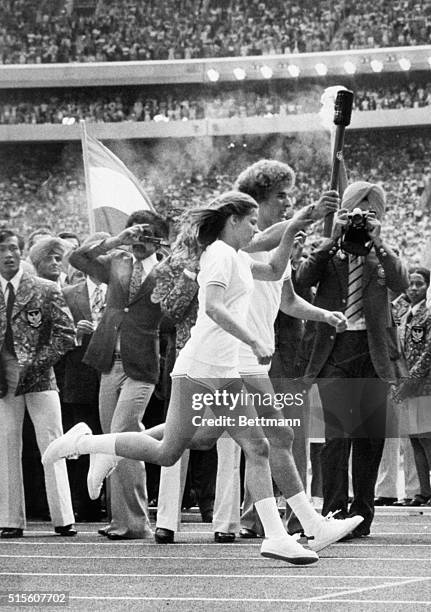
(247, 533)
(116, 536)
(11, 532)
(385, 501)
(419, 500)
(224, 538)
(66, 531)
(403, 502)
(164, 536)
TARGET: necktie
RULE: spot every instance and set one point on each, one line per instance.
(354, 308)
(98, 305)
(135, 280)
(8, 339)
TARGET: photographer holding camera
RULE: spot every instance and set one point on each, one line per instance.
(354, 271)
(125, 349)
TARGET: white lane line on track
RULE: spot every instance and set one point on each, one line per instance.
(250, 600)
(366, 589)
(145, 575)
(230, 558)
(230, 576)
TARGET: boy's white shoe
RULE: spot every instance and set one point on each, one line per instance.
(65, 447)
(101, 466)
(287, 549)
(329, 530)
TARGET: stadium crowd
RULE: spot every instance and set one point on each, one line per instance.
(180, 105)
(42, 185)
(50, 32)
(45, 255)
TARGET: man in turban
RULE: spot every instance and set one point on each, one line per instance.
(353, 368)
(47, 258)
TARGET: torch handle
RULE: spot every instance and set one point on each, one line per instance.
(335, 173)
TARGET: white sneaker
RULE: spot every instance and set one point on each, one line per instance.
(330, 530)
(101, 466)
(64, 447)
(287, 549)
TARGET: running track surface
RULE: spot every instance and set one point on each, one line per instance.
(390, 570)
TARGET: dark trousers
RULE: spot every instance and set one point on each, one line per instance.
(201, 479)
(354, 409)
(422, 452)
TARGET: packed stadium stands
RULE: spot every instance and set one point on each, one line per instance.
(120, 30)
(44, 182)
(186, 103)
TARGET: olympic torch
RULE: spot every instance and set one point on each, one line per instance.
(342, 116)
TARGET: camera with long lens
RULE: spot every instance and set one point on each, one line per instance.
(355, 235)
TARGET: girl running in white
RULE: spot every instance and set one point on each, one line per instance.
(209, 364)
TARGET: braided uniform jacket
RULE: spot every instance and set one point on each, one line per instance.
(42, 329)
(416, 342)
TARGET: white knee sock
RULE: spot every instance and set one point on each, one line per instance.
(305, 512)
(88, 444)
(271, 521)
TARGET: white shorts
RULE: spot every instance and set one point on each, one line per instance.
(212, 376)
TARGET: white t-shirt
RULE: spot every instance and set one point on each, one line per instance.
(209, 344)
(264, 305)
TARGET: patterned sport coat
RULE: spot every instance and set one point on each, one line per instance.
(42, 329)
(415, 332)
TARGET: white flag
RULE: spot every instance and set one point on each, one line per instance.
(113, 192)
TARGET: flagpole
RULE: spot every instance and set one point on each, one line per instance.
(87, 175)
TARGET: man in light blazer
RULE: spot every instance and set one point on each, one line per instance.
(36, 329)
(125, 349)
(353, 369)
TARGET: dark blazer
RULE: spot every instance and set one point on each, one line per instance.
(383, 271)
(42, 329)
(138, 319)
(81, 381)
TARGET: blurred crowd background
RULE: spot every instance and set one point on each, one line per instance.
(43, 184)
